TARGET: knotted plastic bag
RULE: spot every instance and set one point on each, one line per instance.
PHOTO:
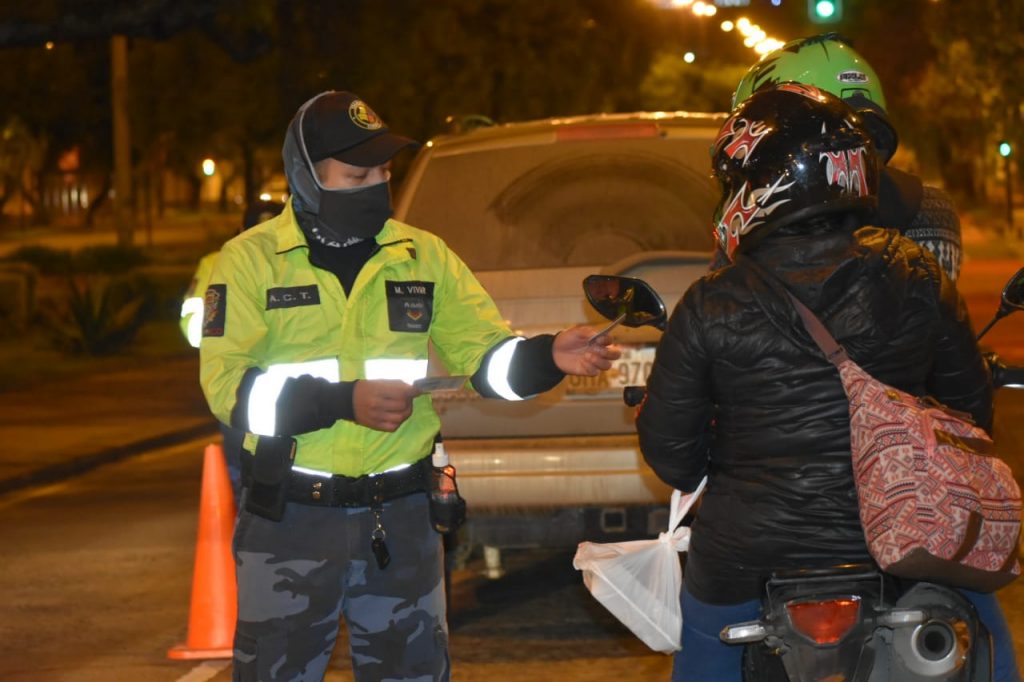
(640, 581)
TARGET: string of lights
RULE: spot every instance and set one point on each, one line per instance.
(753, 36)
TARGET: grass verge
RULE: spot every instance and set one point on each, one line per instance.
(32, 358)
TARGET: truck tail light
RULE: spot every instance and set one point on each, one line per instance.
(611, 131)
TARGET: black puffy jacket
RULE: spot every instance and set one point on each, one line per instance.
(739, 392)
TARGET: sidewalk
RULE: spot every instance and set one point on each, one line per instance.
(64, 427)
(201, 232)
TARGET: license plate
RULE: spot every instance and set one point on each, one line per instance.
(631, 369)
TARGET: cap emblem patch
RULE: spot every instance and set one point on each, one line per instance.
(363, 116)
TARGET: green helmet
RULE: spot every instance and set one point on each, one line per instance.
(826, 61)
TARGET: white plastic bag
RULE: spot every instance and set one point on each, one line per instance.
(640, 581)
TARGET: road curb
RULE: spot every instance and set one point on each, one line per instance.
(79, 465)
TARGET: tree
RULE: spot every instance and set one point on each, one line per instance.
(419, 62)
(673, 84)
(56, 78)
(972, 94)
(957, 108)
(223, 78)
(60, 96)
(193, 99)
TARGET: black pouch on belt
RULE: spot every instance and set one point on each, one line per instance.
(267, 492)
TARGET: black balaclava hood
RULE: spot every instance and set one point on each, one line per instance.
(334, 217)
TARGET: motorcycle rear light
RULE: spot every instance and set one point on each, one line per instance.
(824, 622)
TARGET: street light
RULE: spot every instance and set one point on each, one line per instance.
(753, 35)
(1006, 151)
(209, 167)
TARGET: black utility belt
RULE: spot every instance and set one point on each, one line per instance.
(362, 491)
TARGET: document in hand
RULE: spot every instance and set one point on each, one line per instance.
(437, 384)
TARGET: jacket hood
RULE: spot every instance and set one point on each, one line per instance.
(298, 168)
(827, 274)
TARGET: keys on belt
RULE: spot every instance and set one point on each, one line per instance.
(363, 491)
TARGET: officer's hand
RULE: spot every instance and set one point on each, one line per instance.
(575, 353)
(382, 404)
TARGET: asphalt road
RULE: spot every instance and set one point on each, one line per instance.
(97, 573)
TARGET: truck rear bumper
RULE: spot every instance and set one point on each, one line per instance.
(564, 527)
(584, 471)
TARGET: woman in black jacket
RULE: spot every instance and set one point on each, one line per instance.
(739, 392)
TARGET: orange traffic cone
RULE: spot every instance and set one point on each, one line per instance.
(211, 622)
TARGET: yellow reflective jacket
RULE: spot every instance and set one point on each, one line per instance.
(192, 303)
(267, 307)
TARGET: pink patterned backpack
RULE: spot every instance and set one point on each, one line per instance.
(934, 505)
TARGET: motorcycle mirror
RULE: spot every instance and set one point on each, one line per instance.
(1011, 300)
(627, 300)
(1013, 293)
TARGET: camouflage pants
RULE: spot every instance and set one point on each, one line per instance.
(298, 576)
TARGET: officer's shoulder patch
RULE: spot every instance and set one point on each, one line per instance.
(215, 310)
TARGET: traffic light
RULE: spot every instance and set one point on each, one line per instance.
(825, 11)
(1005, 148)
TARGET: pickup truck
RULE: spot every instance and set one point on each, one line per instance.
(533, 208)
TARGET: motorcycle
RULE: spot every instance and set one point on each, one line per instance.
(846, 622)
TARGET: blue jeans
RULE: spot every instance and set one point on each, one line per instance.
(704, 657)
(1005, 668)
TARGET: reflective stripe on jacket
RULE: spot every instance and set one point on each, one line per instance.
(269, 308)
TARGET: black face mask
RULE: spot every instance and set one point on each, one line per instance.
(347, 213)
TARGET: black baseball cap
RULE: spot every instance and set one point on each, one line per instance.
(340, 125)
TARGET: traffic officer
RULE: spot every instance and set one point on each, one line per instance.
(316, 324)
(191, 324)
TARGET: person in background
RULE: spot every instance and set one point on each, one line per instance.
(740, 393)
(316, 333)
(921, 212)
(191, 323)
